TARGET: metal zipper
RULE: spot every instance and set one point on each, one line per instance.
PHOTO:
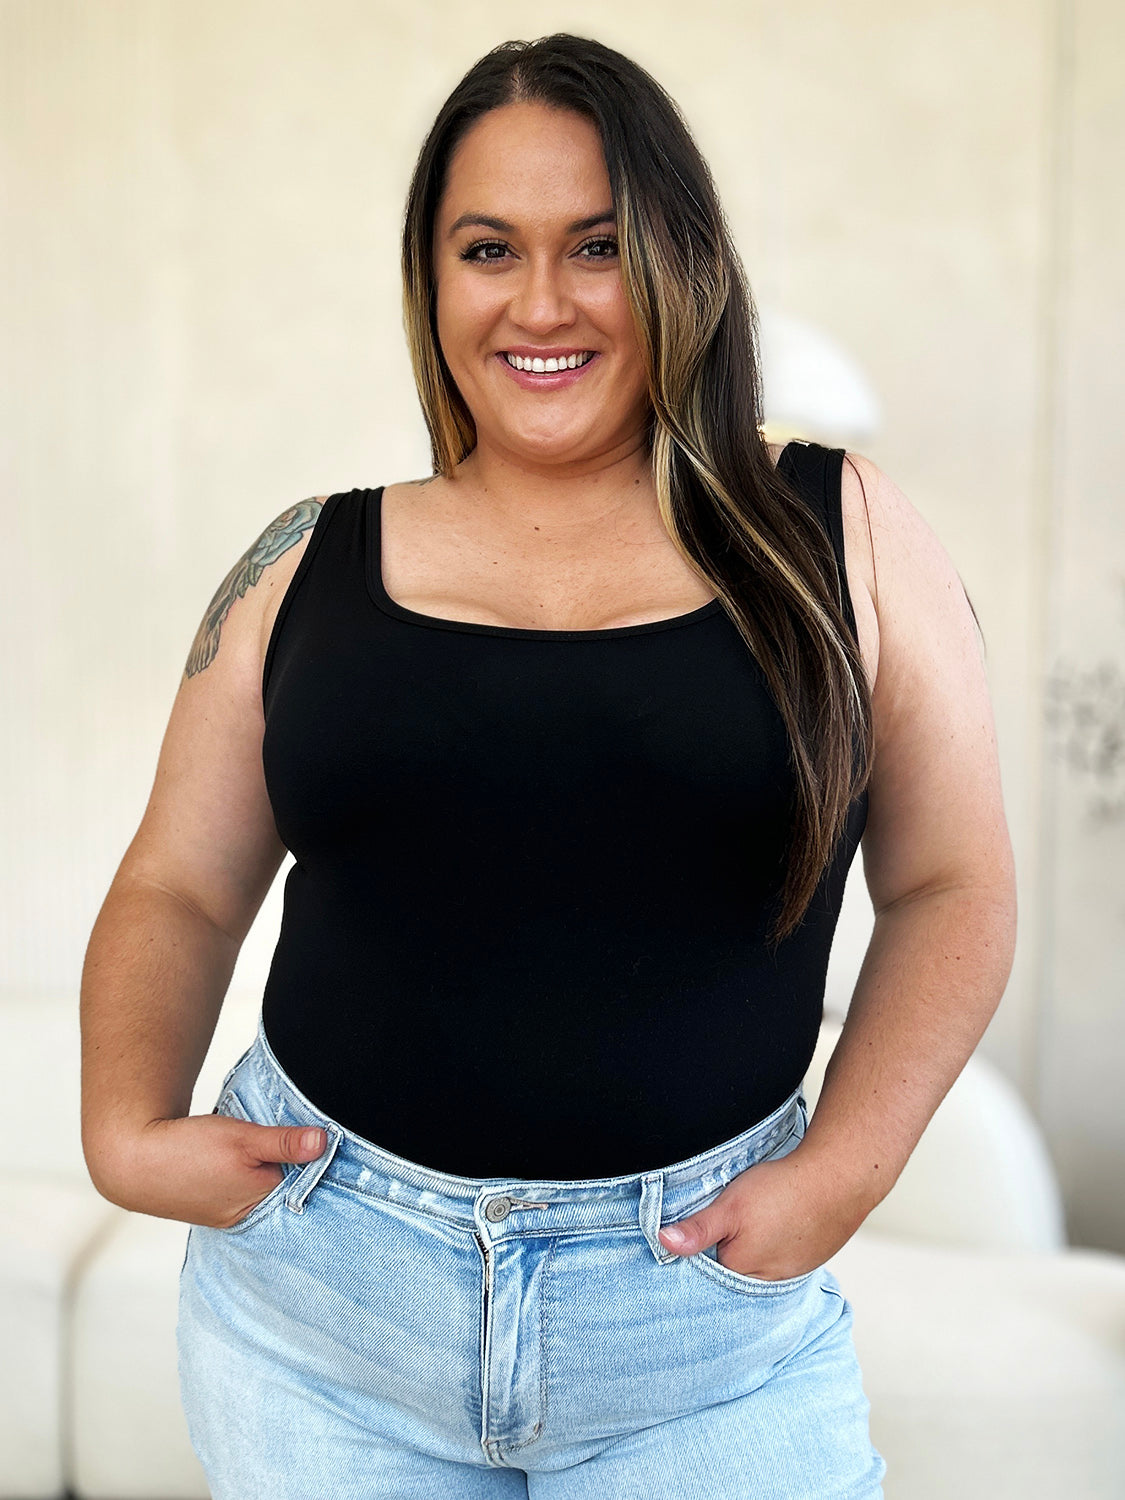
(484, 1336)
(487, 1253)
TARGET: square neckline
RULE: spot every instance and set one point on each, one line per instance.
(379, 596)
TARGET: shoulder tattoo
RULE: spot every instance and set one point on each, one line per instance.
(277, 538)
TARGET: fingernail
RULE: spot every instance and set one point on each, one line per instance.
(310, 1140)
(675, 1237)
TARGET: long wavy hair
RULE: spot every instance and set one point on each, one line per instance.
(732, 516)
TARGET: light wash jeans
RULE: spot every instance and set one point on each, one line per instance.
(375, 1330)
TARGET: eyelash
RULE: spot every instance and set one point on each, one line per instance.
(470, 252)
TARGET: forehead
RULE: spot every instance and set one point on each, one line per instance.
(528, 159)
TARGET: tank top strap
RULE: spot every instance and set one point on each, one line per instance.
(337, 541)
(817, 472)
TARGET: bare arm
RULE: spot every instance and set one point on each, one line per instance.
(937, 860)
(939, 867)
(164, 945)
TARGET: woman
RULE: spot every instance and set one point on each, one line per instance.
(573, 742)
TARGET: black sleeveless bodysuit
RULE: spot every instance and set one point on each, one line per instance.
(525, 931)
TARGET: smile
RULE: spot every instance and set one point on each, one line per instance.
(551, 365)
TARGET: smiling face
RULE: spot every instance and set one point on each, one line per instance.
(528, 270)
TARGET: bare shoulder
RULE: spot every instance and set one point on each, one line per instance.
(208, 833)
(260, 577)
(936, 816)
(891, 530)
(909, 572)
(857, 479)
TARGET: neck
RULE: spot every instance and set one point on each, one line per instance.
(557, 498)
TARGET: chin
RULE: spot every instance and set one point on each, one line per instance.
(561, 440)
(556, 453)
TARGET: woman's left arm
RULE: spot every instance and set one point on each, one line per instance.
(938, 864)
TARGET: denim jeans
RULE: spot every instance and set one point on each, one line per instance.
(376, 1330)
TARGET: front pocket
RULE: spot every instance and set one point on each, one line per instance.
(231, 1105)
(707, 1262)
(299, 1180)
(709, 1265)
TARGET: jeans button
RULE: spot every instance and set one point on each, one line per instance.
(497, 1209)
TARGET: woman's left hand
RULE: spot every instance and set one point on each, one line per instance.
(776, 1219)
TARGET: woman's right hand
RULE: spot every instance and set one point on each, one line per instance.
(210, 1170)
(166, 941)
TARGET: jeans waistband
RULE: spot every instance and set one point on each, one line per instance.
(498, 1207)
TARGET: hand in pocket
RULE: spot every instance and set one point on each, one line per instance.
(777, 1219)
(210, 1170)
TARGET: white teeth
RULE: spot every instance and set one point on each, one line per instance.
(548, 366)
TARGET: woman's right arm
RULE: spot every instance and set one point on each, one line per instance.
(164, 945)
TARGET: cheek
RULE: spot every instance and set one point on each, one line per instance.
(617, 316)
(454, 317)
(466, 304)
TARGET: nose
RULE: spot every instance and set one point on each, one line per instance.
(542, 299)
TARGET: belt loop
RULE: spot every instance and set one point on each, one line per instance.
(310, 1174)
(651, 1206)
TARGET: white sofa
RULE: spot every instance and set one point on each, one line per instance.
(993, 1354)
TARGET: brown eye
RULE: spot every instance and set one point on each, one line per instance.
(470, 253)
(603, 242)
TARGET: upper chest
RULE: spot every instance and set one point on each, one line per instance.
(450, 566)
(636, 577)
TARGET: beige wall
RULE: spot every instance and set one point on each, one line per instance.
(200, 325)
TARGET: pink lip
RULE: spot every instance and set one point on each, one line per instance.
(552, 380)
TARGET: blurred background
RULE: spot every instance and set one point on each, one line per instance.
(200, 324)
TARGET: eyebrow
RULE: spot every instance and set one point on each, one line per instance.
(486, 221)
